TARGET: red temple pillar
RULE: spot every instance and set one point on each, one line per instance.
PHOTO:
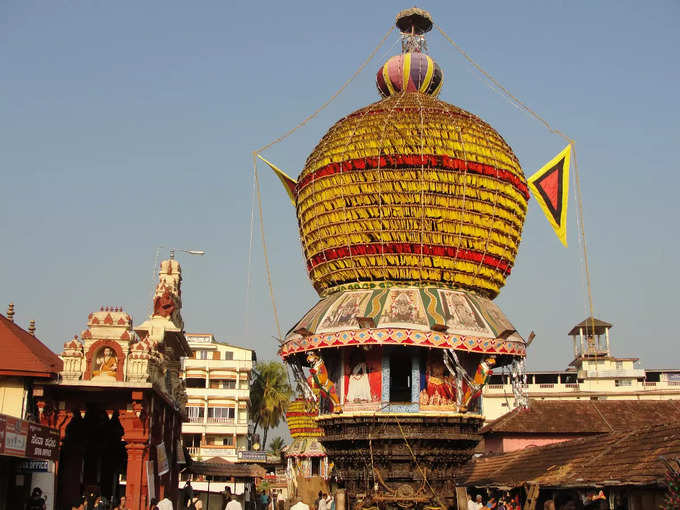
(136, 487)
(136, 435)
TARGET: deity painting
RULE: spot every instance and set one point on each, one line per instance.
(403, 306)
(343, 313)
(497, 319)
(362, 376)
(440, 386)
(460, 315)
(105, 363)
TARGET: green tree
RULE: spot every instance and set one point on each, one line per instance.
(269, 396)
(276, 445)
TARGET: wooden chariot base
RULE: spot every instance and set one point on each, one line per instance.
(399, 460)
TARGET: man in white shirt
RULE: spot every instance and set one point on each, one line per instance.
(323, 502)
(475, 505)
(232, 504)
(299, 505)
(165, 504)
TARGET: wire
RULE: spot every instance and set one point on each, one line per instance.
(332, 98)
(553, 130)
(264, 246)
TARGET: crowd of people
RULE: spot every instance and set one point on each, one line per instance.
(505, 502)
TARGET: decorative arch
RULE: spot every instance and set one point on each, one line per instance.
(95, 348)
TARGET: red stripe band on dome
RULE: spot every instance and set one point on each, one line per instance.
(408, 249)
(397, 161)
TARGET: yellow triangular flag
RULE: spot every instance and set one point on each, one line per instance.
(550, 187)
(288, 182)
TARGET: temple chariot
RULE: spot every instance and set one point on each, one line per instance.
(410, 215)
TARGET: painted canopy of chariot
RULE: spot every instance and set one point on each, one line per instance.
(461, 316)
(415, 308)
(404, 308)
(343, 312)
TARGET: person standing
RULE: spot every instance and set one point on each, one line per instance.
(300, 505)
(36, 501)
(188, 493)
(122, 504)
(232, 504)
(165, 504)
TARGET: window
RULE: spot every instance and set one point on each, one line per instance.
(220, 414)
(316, 466)
(223, 385)
(228, 355)
(192, 440)
(623, 382)
(195, 413)
(201, 354)
(228, 441)
(195, 382)
(619, 365)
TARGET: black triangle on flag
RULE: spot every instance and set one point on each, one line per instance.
(550, 186)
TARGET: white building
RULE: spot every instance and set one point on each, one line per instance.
(594, 374)
(217, 378)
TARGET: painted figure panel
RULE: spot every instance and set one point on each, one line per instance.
(440, 390)
(493, 314)
(105, 363)
(343, 313)
(362, 378)
(404, 308)
(461, 316)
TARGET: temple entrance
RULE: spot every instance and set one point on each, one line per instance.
(400, 376)
(92, 457)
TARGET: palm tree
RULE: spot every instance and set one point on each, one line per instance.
(269, 396)
(277, 444)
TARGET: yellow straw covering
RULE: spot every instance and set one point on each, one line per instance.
(411, 189)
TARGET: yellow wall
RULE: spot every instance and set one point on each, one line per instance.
(11, 396)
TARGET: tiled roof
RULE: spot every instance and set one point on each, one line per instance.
(584, 416)
(25, 355)
(620, 458)
(218, 466)
(588, 323)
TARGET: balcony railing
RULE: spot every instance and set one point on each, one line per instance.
(219, 419)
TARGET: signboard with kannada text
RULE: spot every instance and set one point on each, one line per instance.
(20, 438)
(43, 442)
(252, 456)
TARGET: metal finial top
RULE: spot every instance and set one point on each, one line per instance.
(31, 327)
(414, 21)
(10, 312)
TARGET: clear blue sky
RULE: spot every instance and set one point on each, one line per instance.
(129, 125)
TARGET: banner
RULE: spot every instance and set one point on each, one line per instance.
(550, 187)
(288, 182)
(162, 459)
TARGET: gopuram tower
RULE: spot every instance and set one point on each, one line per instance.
(410, 213)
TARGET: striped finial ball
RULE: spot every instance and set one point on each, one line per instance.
(410, 72)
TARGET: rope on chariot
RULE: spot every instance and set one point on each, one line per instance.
(555, 131)
(280, 139)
